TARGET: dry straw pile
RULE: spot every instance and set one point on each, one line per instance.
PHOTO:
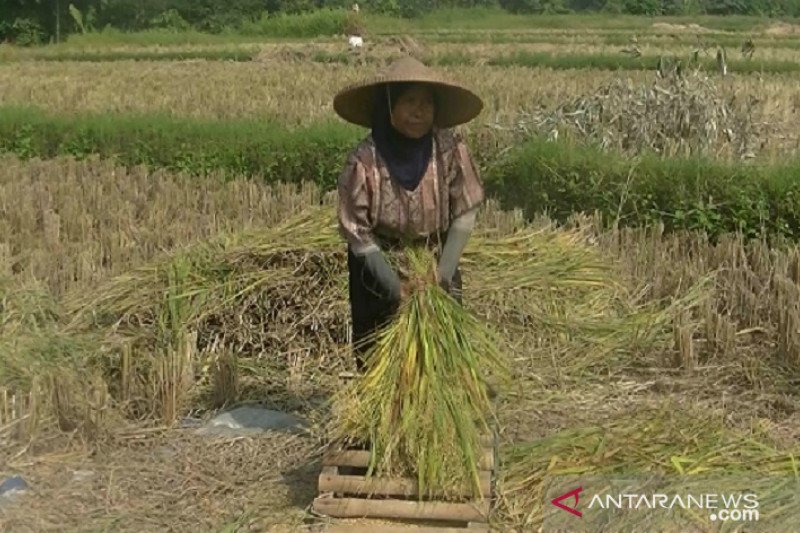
(683, 113)
(274, 296)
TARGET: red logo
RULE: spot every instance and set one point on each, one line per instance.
(573, 510)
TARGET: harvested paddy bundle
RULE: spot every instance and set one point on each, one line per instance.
(555, 296)
(215, 273)
(252, 288)
(47, 379)
(274, 297)
(423, 403)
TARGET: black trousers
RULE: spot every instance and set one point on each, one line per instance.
(370, 306)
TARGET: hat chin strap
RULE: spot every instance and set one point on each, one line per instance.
(389, 100)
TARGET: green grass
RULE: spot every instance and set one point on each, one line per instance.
(574, 61)
(441, 24)
(580, 62)
(143, 55)
(496, 18)
(271, 31)
(314, 24)
(114, 37)
(696, 193)
(614, 38)
(266, 29)
(561, 178)
(242, 147)
(622, 62)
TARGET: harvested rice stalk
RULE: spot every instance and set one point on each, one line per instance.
(542, 259)
(423, 402)
(278, 298)
(668, 440)
(48, 381)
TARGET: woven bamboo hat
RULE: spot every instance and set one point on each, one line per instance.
(455, 104)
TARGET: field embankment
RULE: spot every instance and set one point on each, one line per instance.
(539, 175)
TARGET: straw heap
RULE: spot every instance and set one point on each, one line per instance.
(678, 115)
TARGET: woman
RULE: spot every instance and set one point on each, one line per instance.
(412, 179)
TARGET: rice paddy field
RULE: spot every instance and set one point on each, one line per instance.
(168, 248)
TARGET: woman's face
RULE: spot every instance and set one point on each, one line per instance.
(413, 111)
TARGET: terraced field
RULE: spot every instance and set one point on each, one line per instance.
(155, 234)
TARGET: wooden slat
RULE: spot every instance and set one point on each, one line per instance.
(486, 461)
(361, 458)
(381, 528)
(386, 487)
(346, 458)
(407, 510)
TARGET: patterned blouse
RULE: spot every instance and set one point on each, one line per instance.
(373, 207)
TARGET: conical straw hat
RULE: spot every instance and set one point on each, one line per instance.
(455, 104)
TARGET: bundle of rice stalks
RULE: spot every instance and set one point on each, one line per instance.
(423, 402)
(24, 308)
(283, 289)
(557, 298)
(47, 379)
(275, 295)
(214, 274)
(682, 114)
(671, 441)
(527, 279)
(543, 259)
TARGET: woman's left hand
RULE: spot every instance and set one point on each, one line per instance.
(444, 284)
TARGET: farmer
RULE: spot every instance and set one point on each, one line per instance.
(411, 180)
